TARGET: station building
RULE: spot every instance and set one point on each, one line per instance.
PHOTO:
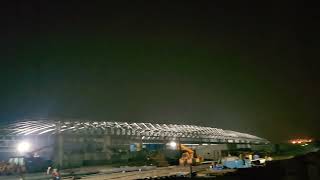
(71, 143)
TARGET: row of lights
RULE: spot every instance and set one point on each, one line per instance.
(300, 141)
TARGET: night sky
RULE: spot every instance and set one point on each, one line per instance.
(233, 65)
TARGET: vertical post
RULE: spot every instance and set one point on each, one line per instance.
(60, 145)
(190, 170)
(106, 146)
(140, 144)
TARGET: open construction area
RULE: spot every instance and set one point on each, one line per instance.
(73, 149)
(34, 145)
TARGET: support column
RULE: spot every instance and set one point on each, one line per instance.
(106, 146)
(60, 145)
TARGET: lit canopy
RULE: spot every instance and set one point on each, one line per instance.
(144, 131)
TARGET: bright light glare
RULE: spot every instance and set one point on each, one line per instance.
(23, 147)
(173, 144)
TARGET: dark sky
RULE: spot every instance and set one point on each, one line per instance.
(234, 65)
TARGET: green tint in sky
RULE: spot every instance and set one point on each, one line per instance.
(246, 68)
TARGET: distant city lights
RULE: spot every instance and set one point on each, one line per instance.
(300, 141)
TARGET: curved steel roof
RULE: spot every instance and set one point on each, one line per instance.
(140, 130)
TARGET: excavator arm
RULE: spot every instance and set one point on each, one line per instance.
(186, 149)
(189, 156)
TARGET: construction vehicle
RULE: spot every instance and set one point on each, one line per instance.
(189, 156)
(234, 162)
(30, 162)
(245, 160)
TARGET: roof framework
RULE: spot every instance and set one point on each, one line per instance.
(145, 131)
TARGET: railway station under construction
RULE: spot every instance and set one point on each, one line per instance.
(74, 143)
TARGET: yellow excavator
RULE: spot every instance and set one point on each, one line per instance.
(189, 156)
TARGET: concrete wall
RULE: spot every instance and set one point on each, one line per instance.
(211, 152)
(80, 150)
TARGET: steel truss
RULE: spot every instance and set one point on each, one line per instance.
(144, 131)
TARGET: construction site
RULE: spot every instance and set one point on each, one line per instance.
(35, 144)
